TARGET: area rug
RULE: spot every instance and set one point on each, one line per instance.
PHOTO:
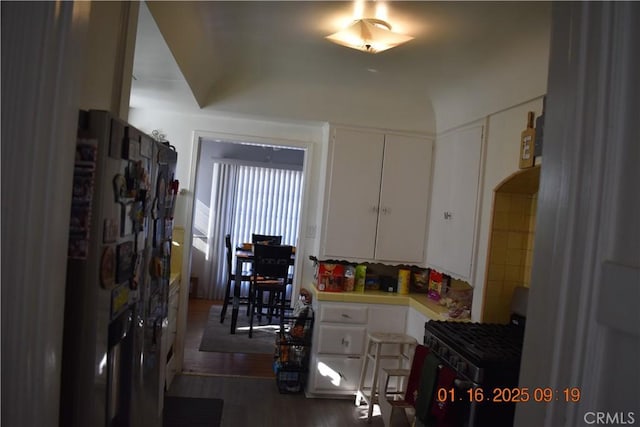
(191, 412)
(216, 336)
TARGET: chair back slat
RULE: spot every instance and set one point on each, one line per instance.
(272, 261)
(266, 239)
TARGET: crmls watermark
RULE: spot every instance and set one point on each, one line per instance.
(610, 418)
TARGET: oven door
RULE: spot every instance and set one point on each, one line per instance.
(477, 408)
(448, 405)
(459, 402)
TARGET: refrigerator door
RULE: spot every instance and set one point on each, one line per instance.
(155, 287)
(117, 282)
(119, 370)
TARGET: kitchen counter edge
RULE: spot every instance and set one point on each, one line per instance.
(419, 302)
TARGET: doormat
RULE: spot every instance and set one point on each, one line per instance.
(191, 412)
(216, 336)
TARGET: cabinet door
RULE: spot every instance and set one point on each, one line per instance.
(353, 194)
(404, 199)
(342, 313)
(387, 318)
(335, 374)
(338, 339)
(452, 216)
(415, 324)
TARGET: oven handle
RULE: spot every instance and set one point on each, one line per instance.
(471, 414)
(464, 384)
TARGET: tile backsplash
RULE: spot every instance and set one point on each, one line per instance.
(510, 252)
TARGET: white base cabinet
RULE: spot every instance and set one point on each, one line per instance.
(339, 343)
(341, 339)
(415, 324)
(334, 375)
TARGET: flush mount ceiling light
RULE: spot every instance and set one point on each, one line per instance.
(370, 35)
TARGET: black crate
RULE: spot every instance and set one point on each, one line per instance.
(298, 330)
(291, 379)
(292, 350)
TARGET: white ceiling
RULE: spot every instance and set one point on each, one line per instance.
(271, 58)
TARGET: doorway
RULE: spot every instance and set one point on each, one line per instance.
(227, 171)
(241, 188)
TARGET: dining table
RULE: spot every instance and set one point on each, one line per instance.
(244, 255)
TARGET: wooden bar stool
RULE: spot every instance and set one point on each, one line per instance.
(375, 341)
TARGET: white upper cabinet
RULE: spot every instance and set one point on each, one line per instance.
(377, 199)
(355, 163)
(404, 199)
(452, 221)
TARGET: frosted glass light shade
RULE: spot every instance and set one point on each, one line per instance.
(369, 35)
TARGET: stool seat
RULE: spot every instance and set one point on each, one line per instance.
(375, 341)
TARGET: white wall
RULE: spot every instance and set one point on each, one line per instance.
(106, 82)
(384, 107)
(502, 158)
(515, 74)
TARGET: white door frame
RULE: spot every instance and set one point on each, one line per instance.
(583, 323)
(43, 53)
(197, 138)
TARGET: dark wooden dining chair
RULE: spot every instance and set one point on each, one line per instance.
(269, 274)
(266, 239)
(231, 277)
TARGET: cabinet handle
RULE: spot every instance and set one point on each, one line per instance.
(386, 211)
(346, 316)
(448, 215)
(345, 342)
(375, 209)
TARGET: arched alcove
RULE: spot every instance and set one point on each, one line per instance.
(511, 242)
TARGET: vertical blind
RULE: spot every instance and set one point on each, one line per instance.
(245, 200)
(267, 202)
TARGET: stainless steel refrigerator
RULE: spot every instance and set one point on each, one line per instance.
(121, 223)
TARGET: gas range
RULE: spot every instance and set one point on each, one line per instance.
(484, 353)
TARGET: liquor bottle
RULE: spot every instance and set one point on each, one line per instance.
(527, 141)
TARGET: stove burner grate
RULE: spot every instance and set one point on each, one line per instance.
(482, 343)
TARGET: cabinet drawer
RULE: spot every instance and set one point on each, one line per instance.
(343, 313)
(338, 339)
(336, 375)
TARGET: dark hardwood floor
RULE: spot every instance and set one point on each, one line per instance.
(247, 385)
(208, 363)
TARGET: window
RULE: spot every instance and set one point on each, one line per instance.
(244, 200)
(267, 202)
